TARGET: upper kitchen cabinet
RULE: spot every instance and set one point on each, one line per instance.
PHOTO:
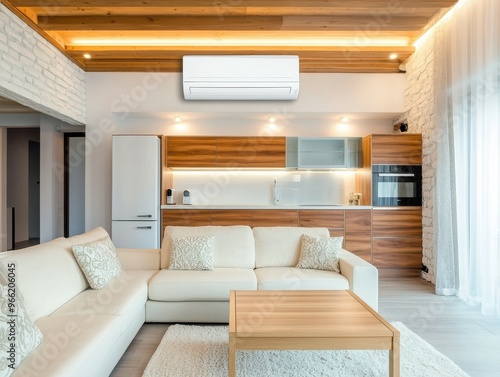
(225, 152)
(323, 153)
(191, 152)
(396, 149)
(251, 152)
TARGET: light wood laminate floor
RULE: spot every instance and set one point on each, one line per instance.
(459, 331)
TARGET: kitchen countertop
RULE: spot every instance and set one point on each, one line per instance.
(243, 206)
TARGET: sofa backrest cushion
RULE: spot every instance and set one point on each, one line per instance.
(233, 245)
(280, 246)
(47, 276)
(93, 235)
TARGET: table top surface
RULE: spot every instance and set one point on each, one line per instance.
(304, 314)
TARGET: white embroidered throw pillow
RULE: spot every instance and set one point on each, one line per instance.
(192, 253)
(98, 261)
(19, 335)
(320, 253)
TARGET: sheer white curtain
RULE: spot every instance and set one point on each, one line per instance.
(471, 104)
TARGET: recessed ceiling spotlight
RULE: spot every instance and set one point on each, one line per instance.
(344, 119)
(272, 119)
(393, 56)
(87, 56)
(178, 119)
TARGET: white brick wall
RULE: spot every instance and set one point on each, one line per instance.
(419, 103)
(36, 74)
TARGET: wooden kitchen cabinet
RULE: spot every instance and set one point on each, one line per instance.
(396, 149)
(186, 217)
(191, 152)
(358, 233)
(274, 217)
(333, 219)
(397, 238)
(251, 152)
(390, 149)
(225, 152)
(230, 217)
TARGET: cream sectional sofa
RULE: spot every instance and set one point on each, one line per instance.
(247, 259)
(85, 331)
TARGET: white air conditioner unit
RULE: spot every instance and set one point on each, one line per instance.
(241, 77)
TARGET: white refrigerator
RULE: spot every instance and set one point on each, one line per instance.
(136, 163)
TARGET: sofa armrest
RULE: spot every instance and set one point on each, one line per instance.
(139, 259)
(362, 276)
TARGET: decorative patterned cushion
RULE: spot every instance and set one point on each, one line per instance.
(320, 253)
(192, 253)
(98, 261)
(19, 336)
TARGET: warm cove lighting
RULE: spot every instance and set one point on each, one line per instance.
(269, 41)
(87, 56)
(393, 56)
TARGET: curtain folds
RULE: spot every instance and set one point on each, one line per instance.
(467, 243)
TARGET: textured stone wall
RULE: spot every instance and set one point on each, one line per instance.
(36, 74)
(420, 106)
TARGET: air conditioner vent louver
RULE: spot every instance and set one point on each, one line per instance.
(241, 77)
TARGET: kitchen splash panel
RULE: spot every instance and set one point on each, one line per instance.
(258, 188)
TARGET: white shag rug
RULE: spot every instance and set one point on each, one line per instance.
(202, 351)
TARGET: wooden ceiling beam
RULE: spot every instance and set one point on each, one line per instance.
(312, 66)
(224, 4)
(233, 11)
(99, 52)
(237, 23)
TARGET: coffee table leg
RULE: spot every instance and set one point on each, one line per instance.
(394, 361)
(232, 359)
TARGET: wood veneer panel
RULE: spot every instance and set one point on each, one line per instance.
(186, 217)
(361, 248)
(319, 218)
(231, 217)
(397, 252)
(397, 223)
(397, 149)
(337, 233)
(358, 229)
(258, 152)
(363, 176)
(274, 217)
(187, 152)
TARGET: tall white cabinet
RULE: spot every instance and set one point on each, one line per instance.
(136, 191)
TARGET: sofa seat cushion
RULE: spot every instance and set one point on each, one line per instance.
(288, 278)
(125, 295)
(70, 344)
(178, 285)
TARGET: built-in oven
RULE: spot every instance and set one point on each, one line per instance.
(396, 185)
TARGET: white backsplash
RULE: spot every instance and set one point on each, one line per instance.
(257, 187)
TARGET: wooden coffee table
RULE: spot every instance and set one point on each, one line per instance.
(307, 320)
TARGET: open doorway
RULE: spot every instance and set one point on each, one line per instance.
(23, 186)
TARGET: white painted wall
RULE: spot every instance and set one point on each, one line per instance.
(36, 74)
(51, 179)
(136, 103)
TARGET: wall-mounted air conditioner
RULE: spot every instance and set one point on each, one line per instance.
(241, 77)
